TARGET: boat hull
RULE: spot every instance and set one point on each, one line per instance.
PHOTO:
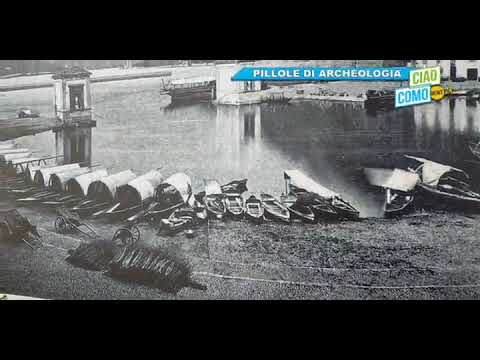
(303, 213)
(254, 210)
(215, 205)
(235, 207)
(433, 197)
(407, 206)
(274, 210)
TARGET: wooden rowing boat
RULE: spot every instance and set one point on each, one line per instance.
(214, 199)
(298, 210)
(443, 185)
(235, 205)
(274, 209)
(330, 204)
(254, 210)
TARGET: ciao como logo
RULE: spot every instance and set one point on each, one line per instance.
(419, 95)
(437, 92)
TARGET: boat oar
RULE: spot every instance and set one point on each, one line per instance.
(105, 211)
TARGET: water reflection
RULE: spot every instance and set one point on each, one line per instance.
(331, 142)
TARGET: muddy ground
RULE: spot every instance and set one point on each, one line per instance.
(425, 256)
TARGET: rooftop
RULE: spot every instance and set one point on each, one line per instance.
(73, 72)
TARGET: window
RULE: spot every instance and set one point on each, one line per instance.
(249, 86)
(472, 74)
(76, 98)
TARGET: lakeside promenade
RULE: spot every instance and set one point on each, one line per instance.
(106, 75)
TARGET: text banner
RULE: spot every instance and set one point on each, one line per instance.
(322, 74)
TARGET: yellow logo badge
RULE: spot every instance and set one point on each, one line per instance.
(437, 92)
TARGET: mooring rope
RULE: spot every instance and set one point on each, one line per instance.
(263, 264)
(312, 284)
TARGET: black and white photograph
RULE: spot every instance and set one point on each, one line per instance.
(169, 180)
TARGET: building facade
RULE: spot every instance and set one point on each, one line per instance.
(453, 69)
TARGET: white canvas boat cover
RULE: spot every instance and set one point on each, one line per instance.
(13, 151)
(432, 171)
(23, 163)
(106, 188)
(42, 175)
(302, 181)
(6, 158)
(31, 170)
(396, 179)
(183, 184)
(212, 187)
(141, 188)
(80, 184)
(59, 180)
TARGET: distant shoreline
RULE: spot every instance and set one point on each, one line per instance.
(98, 79)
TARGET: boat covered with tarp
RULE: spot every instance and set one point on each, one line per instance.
(297, 182)
(79, 185)
(39, 190)
(134, 196)
(443, 185)
(43, 174)
(173, 193)
(58, 181)
(105, 189)
(432, 172)
(102, 193)
(399, 185)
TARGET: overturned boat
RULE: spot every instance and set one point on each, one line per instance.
(297, 183)
(399, 188)
(135, 196)
(444, 184)
(235, 186)
(172, 194)
(102, 193)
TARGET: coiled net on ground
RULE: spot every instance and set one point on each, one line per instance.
(151, 267)
(95, 255)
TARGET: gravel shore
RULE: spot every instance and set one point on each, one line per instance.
(426, 256)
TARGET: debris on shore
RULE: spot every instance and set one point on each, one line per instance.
(151, 267)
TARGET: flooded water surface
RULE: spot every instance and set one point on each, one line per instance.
(330, 142)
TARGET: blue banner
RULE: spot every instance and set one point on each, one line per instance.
(322, 74)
